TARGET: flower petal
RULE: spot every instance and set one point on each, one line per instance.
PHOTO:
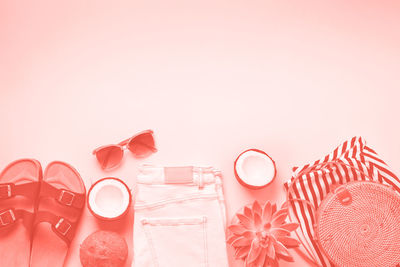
(257, 221)
(247, 212)
(249, 235)
(286, 258)
(288, 242)
(271, 263)
(237, 229)
(279, 220)
(261, 258)
(242, 252)
(289, 226)
(279, 212)
(241, 242)
(254, 252)
(231, 238)
(267, 212)
(278, 232)
(274, 208)
(281, 249)
(271, 250)
(245, 221)
(257, 208)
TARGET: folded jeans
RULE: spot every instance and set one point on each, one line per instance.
(179, 218)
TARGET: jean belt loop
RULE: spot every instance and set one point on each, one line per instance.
(201, 178)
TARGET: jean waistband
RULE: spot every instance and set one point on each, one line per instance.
(150, 174)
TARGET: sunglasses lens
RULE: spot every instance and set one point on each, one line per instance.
(109, 156)
(142, 145)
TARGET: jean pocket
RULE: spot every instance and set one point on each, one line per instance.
(177, 242)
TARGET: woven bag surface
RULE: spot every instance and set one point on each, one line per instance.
(358, 225)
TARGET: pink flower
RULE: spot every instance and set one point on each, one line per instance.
(261, 236)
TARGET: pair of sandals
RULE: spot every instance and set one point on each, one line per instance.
(39, 212)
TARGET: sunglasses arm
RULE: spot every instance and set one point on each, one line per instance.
(125, 142)
(100, 148)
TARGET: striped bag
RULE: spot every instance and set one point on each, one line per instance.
(311, 183)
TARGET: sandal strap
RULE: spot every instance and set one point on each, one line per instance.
(10, 216)
(8, 190)
(63, 196)
(63, 227)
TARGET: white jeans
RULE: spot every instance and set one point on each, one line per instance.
(179, 218)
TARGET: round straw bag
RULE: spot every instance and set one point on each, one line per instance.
(358, 224)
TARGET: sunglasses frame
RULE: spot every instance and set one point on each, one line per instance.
(123, 145)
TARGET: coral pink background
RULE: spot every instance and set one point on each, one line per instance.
(211, 77)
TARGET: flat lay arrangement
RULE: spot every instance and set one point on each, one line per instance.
(205, 133)
(341, 210)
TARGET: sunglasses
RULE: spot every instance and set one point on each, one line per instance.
(141, 145)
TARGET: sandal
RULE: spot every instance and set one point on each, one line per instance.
(19, 186)
(61, 202)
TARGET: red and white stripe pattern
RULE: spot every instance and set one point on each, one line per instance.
(314, 184)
